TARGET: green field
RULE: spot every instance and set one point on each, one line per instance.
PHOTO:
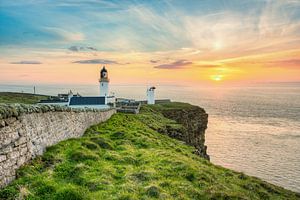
(26, 98)
(124, 158)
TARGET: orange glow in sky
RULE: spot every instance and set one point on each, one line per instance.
(190, 44)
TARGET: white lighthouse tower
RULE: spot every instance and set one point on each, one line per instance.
(104, 81)
(150, 95)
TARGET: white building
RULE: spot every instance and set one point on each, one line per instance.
(104, 83)
(150, 95)
(103, 101)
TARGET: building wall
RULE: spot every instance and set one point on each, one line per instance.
(111, 101)
(26, 136)
(104, 89)
(150, 97)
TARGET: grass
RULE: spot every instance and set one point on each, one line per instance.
(171, 106)
(126, 158)
(26, 98)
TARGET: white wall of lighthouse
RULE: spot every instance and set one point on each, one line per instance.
(104, 88)
(150, 95)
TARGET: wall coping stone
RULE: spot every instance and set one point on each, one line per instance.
(16, 110)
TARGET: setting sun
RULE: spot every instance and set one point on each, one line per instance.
(217, 77)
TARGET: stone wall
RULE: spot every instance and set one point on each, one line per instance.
(24, 136)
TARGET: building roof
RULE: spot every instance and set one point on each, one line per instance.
(103, 69)
(151, 88)
(87, 101)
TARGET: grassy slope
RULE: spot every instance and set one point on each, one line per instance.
(12, 97)
(125, 159)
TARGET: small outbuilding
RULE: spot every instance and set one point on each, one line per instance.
(90, 102)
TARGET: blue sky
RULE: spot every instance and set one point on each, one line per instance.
(142, 25)
(168, 31)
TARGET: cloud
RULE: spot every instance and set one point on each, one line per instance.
(278, 59)
(290, 62)
(286, 63)
(154, 61)
(27, 62)
(74, 48)
(81, 48)
(91, 48)
(65, 34)
(96, 61)
(237, 27)
(174, 65)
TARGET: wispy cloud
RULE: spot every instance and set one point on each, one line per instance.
(290, 61)
(285, 63)
(65, 34)
(154, 61)
(91, 48)
(82, 48)
(174, 65)
(74, 48)
(96, 61)
(27, 62)
(236, 27)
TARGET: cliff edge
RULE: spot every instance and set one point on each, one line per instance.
(192, 123)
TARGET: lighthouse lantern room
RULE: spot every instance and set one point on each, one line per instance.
(104, 82)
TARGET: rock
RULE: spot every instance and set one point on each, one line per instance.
(2, 158)
(6, 150)
(194, 120)
(2, 123)
(21, 140)
(10, 120)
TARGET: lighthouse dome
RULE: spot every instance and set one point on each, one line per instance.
(103, 72)
(103, 69)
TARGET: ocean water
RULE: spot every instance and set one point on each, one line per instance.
(252, 129)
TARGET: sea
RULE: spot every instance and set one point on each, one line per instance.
(254, 129)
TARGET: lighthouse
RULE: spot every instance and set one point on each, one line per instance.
(150, 95)
(104, 81)
(104, 101)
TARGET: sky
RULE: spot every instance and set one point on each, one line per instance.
(149, 42)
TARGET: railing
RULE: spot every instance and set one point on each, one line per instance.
(133, 107)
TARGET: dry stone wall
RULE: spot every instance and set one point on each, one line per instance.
(26, 135)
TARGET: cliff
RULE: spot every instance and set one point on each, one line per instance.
(128, 157)
(193, 120)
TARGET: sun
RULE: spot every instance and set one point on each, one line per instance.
(217, 77)
(218, 45)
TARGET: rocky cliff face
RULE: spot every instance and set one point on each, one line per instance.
(194, 123)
